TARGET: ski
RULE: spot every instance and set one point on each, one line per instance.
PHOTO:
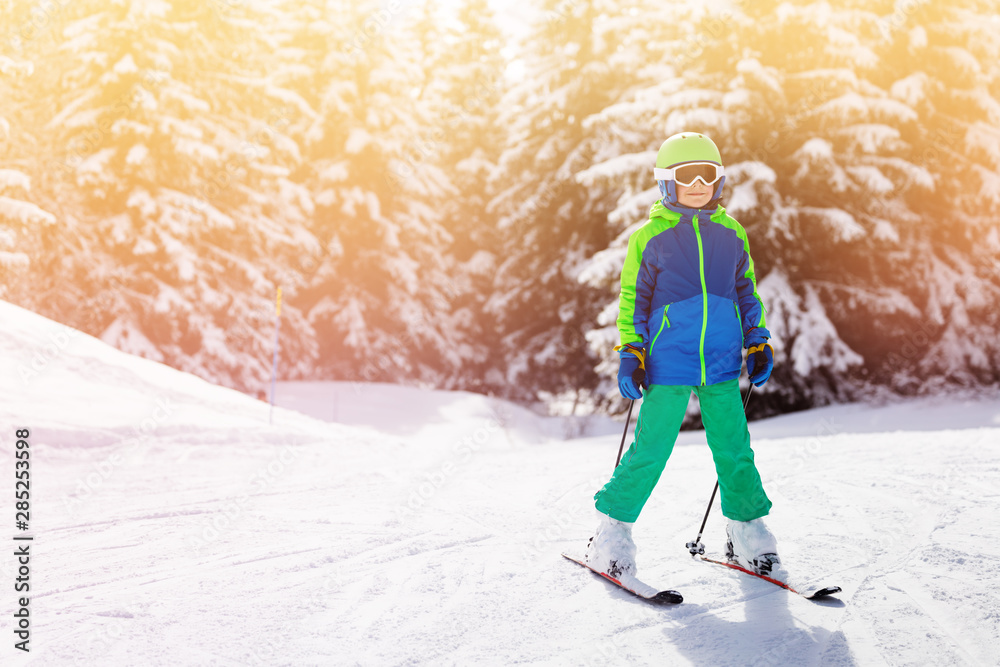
(634, 586)
(809, 594)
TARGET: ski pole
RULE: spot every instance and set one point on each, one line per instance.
(638, 376)
(696, 547)
(627, 420)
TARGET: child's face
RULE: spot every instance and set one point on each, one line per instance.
(695, 195)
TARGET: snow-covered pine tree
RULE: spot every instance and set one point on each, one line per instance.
(166, 156)
(824, 169)
(943, 61)
(550, 222)
(470, 77)
(380, 297)
(818, 158)
(884, 245)
(466, 78)
(17, 213)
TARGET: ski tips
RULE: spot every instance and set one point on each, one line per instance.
(823, 592)
(667, 597)
(634, 586)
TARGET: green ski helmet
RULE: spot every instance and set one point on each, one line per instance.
(686, 148)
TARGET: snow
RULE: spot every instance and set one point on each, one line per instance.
(871, 179)
(604, 268)
(123, 67)
(871, 138)
(142, 203)
(742, 200)
(961, 62)
(189, 102)
(990, 188)
(816, 149)
(10, 67)
(16, 261)
(842, 224)
(377, 524)
(126, 65)
(743, 179)
(335, 172)
(885, 231)
(11, 179)
(618, 168)
(357, 140)
(196, 150)
(24, 213)
(761, 75)
(911, 89)
(95, 166)
(845, 42)
(852, 108)
(482, 263)
(710, 119)
(985, 140)
(918, 38)
(802, 333)
(632, 209)
(124, 335)
(137, 155)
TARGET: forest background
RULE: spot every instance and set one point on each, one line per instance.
(446, 200)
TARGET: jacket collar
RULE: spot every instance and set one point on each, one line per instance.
(686, 214)
(689, 213)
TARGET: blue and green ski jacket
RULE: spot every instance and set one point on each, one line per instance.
(689, 296)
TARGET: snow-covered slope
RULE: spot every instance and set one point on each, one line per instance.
(174, 526)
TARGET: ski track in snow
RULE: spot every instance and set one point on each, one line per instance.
(424, 528)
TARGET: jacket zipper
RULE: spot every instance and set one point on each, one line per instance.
(665, 322)
(704, 295)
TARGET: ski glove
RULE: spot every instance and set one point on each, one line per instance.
(631, 371)
(760, 362)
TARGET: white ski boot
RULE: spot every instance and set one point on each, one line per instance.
(752, 545)
(611, 549)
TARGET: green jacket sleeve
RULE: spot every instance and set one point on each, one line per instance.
(752, 311)
(636, 294)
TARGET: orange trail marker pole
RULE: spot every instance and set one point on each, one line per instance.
(274, 364)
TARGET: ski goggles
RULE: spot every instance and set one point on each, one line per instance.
(686, 174)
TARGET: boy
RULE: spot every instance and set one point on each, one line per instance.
(688, 306)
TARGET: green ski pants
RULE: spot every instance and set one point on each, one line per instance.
(659, 422)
